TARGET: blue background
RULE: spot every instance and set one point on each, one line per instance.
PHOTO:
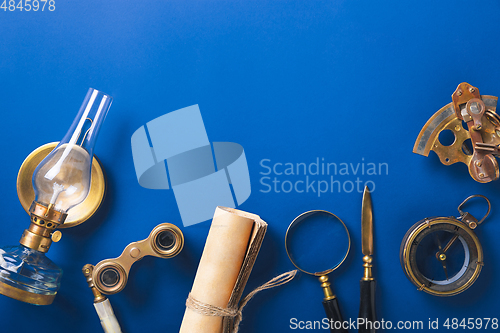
(291, 81)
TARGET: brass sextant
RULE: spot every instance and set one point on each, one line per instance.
(475, 125)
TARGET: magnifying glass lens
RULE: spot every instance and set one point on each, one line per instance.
(317, 241)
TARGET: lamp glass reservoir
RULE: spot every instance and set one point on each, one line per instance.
(60, 182)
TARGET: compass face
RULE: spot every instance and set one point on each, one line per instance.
(429, 261)
(441, 256)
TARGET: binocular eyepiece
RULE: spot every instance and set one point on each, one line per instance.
(166, 241)
(110, 276)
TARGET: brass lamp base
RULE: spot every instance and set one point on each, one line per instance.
(79, 213)
(25, 296)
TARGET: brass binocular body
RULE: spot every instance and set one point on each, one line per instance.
(110, 276)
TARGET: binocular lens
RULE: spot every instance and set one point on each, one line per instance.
(165, 240)
(109, 277)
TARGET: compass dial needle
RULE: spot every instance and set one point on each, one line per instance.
(442, 259)
(438, 243)
(450, 243)
(441, 256)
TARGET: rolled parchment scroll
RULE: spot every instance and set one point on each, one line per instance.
(230, 251)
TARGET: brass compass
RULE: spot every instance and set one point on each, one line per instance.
(442, 255)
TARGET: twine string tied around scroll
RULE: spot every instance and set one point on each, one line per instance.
(236, 313)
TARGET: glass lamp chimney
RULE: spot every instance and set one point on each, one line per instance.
(62, 179)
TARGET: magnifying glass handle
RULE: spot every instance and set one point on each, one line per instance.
(333, 313)
(367, 307)
(331, 306)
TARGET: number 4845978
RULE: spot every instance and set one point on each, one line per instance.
(472, 323)
(28, 5)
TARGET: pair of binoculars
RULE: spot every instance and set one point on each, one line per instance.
(110, 276)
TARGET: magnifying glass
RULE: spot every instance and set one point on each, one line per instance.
(317, 242)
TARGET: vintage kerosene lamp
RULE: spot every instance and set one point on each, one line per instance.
(60, 185)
